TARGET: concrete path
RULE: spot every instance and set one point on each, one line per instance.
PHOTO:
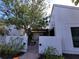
(30, 56)
(32, 53)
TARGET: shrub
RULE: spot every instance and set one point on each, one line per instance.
(50, 53)
(11, 48)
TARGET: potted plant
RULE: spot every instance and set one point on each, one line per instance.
(11, 48)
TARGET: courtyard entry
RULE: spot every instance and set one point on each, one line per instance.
(34, 45)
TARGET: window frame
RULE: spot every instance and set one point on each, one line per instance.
(74, 41)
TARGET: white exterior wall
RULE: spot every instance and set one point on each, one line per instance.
(22, 37)
(49, 41)
(25, 40)
(12, 31)
(65, 17)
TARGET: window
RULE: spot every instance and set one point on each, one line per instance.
(75, 36)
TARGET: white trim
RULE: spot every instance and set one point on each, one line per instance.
(65, 6)
(70, 52)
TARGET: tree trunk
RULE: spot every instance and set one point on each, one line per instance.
(29, 34)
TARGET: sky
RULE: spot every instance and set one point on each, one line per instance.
(51, 2)
(62, 2)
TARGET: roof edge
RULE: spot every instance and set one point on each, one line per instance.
(65, 6)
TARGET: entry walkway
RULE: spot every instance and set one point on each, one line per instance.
(32, 53)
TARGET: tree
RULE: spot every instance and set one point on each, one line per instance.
(30, 15)
(75, 2)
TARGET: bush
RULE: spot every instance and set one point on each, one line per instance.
(50, 53)
(11, 48)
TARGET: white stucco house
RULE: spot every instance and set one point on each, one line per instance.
(65, 22)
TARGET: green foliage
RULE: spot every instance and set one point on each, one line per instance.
(50, 50)
(30, 14)
(36, 14)
(26, 15)
(50, 53)
(11, 48)
(75, 2)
